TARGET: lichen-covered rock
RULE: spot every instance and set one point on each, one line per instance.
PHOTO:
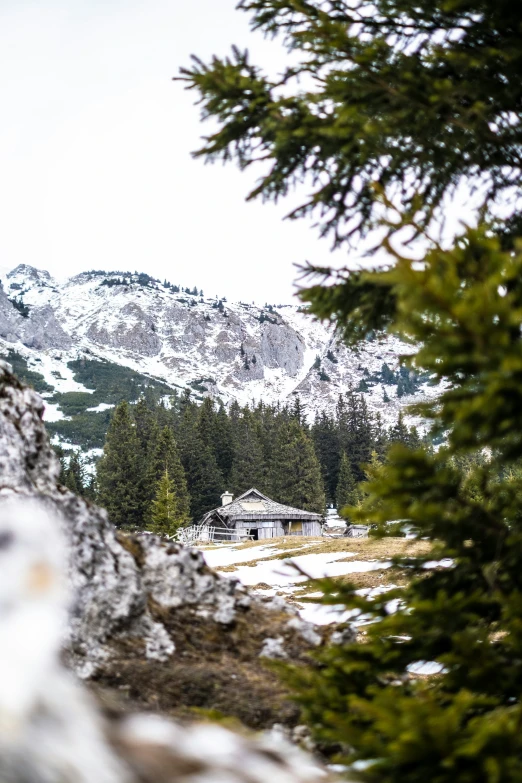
(174, 576)
(273, 648)
(147, 613)
(109, 595)
(52, 731)
(307, 631)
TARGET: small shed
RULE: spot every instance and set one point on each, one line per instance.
(255, 516)
(357, 531)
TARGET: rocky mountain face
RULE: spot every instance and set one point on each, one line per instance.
(232, 351)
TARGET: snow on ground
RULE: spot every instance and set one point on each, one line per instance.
(447, 562)
(103, 406)
(268, 567)
(426, 667)
(282, 573)
(65, 445)
(226, 555)
(93, 454)
(52, 412)
(264, 565)
(54, 369)
(319, 614)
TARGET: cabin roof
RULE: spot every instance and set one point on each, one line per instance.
(253, 505)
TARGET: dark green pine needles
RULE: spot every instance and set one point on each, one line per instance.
(387, 110)
(119, 474)
(163, 460)
(296, 473)
(348, 492)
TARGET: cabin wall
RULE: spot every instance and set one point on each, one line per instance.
(311, 528)
(271, 532)
(265, 528)
(272, 528)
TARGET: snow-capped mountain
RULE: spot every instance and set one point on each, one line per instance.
(232, 351)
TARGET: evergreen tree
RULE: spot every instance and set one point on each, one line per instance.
(119, 470)
(414, 439)
(69, 481)
(61, 457)
(72, 473)
(224, 442)
(296, 473)
(380, 438)
(355, 431)
(207, 422)
(412, 98)
(90, 491)
(248, 469)
(166, 515)
(144, 419)
(269, 422)
(326, 445)
(347, 493)
(297, 412)
(162, 415)
(387, 375)
(205, 480)
(399, 433)
(147, 434)
(234, 413)
(163, 457)
(185, 427)
(76, 469)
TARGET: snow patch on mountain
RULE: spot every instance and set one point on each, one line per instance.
(229, 350)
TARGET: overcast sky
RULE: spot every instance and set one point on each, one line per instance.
(95, 145)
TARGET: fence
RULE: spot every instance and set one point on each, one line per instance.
(199, 534)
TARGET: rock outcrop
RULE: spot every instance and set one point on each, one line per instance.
(150, 621)
(51, 729)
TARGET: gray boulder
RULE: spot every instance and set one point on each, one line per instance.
(143, 609)
(53, 731)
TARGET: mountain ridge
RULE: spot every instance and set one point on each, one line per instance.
(228, 350)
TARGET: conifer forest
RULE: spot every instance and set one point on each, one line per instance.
(181, 457)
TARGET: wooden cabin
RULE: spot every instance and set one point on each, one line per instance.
(254, 516)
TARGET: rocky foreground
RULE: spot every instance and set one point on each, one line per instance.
(150, 627)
